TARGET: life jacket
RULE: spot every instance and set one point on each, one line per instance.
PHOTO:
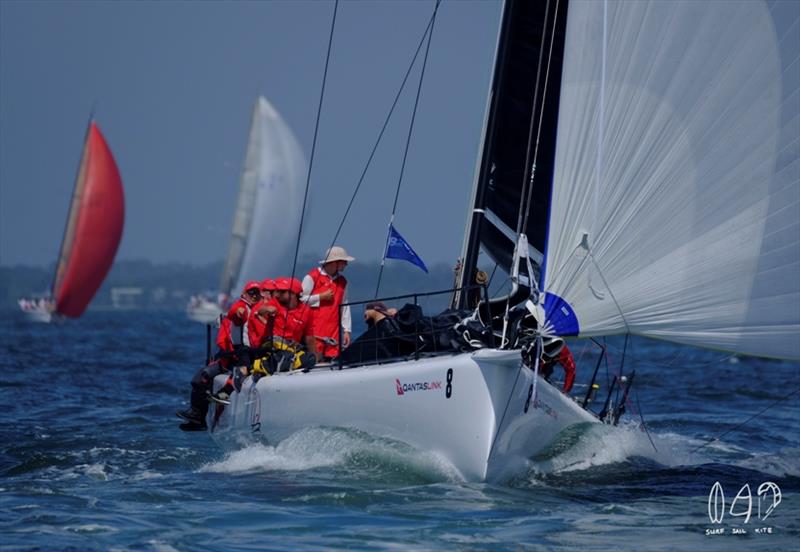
(256, 329)
(292, 325)
(233, 329)
(326, 316)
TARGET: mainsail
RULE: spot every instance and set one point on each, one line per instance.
(666, 204)
(268, 206)
(94, 227)
(521, 126)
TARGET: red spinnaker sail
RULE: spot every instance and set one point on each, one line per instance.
(94, 229)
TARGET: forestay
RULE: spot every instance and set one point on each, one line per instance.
(675, 198)
(269, 202)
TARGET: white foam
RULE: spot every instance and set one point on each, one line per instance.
(147, 475)
(783, 463)
(91, 528)
(603, 444)
(161, 546)
(324, 447)
(98, 471)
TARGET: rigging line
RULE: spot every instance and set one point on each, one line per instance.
(671, 364)
(610, 291)
(754, 416)
(541, 117)
(408, 143)
(500, 289)
(510, 396)
(621, 371)
(641, 417)
(383, 129)
(314, 141)
(313, 148)
(489, 284)
(601, 117)
(533, 118)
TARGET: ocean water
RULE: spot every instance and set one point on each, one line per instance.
(91, 459)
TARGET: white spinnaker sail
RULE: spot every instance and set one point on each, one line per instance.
(675, 210)
(270, 200)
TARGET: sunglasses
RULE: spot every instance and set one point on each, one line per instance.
(253, 292)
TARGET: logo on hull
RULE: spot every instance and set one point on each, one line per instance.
(403, 388)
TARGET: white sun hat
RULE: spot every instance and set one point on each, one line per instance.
(336, 253)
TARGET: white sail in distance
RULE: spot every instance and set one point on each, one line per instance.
(270, 199)
(675, 209)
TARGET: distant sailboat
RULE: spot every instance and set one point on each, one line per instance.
(267, 211)
(92, 234)
(638, 175)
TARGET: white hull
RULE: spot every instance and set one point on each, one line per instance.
(35, 312)
(483, 428)
(204, 311)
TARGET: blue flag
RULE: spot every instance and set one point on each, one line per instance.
(398, 248)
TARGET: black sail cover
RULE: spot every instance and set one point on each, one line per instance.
(527, 27)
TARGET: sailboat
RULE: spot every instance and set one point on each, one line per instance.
(637, 175)
(267, 210)
(91, 237)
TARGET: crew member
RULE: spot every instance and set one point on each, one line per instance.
(233, 328)
(286, 323)
(325, 290)
(555, 351)
(232, 335)
(256, 328)
(234, 381)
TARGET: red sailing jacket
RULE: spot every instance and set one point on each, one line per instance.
(294, 327)
(567, 363)
(256, 329)
(326, 315)
(224, 340)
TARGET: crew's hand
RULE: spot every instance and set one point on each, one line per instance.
(346, 340)
(326, 297)
(267, 310)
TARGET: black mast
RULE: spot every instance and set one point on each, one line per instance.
(518, 101)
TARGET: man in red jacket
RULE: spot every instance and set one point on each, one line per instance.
(231, 336)
(555, 351)
(290, 319)
(233, 328)
(324, 290)
(255, 326)
(286, 323)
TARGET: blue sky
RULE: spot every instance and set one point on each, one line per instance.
(174, 84)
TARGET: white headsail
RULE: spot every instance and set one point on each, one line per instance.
(676, 203)
(268, 208)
